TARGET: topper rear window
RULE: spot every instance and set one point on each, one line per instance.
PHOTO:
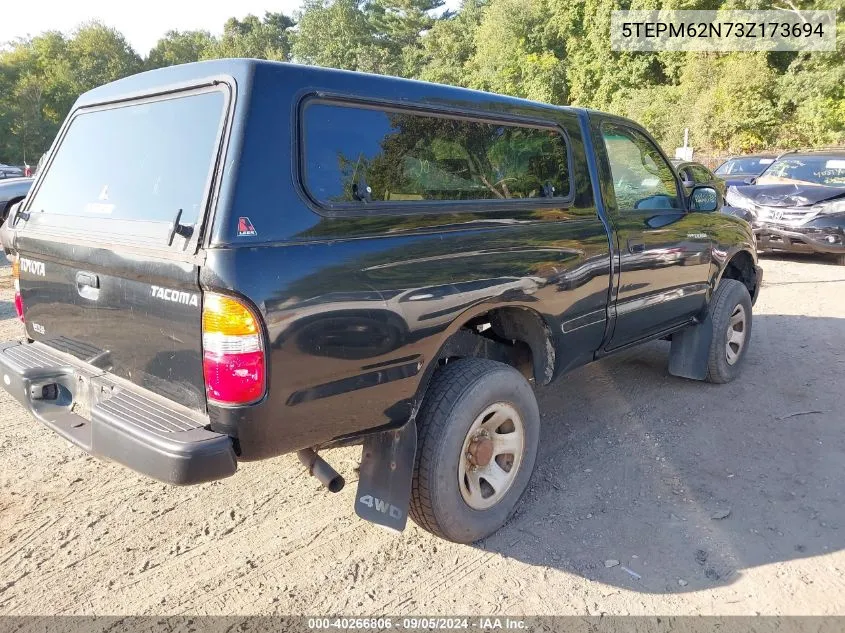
(128, 170)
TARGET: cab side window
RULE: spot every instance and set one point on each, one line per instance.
(642, 179)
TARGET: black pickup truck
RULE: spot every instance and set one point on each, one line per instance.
(232, 260)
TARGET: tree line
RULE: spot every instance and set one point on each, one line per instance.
(557, 51)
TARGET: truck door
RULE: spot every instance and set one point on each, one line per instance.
(664, 251)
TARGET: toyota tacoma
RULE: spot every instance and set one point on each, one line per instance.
(237, 259)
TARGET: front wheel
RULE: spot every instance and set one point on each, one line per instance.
(731, 318)
(478, 429)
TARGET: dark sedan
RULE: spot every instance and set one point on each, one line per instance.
(798, 204)
(742, 170)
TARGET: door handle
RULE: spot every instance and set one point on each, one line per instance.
(636, 247)
(88, 285)
(87, 279)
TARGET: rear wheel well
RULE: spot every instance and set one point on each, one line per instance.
(741, 267)
(516, 336)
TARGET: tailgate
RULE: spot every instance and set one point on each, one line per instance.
(107, 242)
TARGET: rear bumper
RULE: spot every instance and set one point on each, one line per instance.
(106, 418)
(830, 239)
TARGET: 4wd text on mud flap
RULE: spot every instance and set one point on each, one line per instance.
(33, 267)
(176, 296)
(382, 506)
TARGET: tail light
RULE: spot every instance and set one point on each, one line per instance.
(233, 352)
(16, 276)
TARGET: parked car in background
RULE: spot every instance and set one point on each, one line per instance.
(693, 174)
(742, 170)
(798, 203)
(12, 191)
(10, 171)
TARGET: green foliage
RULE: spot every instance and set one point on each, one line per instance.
(379, 36)
(339, 34)
(267, 38)
(100, 54)
(179, 47)
(449, 45)
(556, 51)
(516, 53)
(41, 78)
(397, 25)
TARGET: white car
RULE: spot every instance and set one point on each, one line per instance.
(8, 171)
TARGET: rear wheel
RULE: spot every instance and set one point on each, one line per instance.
(478, 428)
(731, 317)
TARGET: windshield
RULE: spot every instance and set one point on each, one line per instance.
(750, 166)
(809, 170)
(120, 169)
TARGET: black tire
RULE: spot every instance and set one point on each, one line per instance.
(729, 296)
(840, 259)
(458, 394)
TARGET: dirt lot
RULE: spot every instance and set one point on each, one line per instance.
(633, 466)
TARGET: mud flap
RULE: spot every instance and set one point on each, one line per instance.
(384, 486)
(690, 350)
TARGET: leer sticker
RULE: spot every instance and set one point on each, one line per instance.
(245, 227)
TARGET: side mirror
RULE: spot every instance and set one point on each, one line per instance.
(750, 181)
(704, 198)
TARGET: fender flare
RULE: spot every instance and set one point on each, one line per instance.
(745, 247)
(542, 348)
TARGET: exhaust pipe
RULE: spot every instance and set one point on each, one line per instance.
(318, 468)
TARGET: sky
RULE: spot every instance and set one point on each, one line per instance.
(142, 23)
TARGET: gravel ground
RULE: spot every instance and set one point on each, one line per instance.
(634, 465)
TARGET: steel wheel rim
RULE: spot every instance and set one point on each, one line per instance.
(736, 334)
(483, 485)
